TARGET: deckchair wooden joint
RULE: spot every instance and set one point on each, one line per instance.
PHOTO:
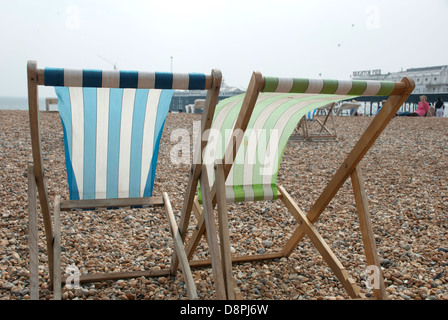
(67, 205)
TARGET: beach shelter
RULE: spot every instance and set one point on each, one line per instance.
(349, 106)
(261, 122)
(112, 123)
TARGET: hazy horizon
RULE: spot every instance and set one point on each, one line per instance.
(285, 38)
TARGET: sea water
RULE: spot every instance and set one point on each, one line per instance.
(21, 103)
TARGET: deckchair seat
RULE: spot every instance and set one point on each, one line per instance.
(112, 140)
(279, 108)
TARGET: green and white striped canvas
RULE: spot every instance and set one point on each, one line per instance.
(278, 109)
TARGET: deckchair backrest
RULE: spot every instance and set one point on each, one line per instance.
(279, 107)
(113, 122)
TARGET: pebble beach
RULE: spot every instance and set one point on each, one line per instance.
(405, 173)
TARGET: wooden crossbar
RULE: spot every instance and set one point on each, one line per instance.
(239, 259)
(88, 204)
(67, 205)
(96, 277)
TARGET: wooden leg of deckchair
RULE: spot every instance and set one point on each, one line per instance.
(57, 293)
(212, 236)
(33, 104)
(224, 231)
(179, 248)
(379, 290)
(321, 245)
(33, 235)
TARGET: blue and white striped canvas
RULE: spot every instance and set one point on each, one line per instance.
(58, 77)
(310, 115)
(111, 139)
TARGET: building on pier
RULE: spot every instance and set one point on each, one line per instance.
(429, 81)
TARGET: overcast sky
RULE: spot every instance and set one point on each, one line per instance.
(300, 38)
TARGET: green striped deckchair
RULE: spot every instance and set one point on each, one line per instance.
(112, 123)
(279, 108)
(240, 163)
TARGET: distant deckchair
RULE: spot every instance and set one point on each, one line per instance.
(112, 121)
(275, 106)
(49, 102)
(310, 127)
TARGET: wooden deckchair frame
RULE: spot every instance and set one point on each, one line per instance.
(37, 185)
(212, 195)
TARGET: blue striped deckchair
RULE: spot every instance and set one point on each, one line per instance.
(112, 123)
(260, 124)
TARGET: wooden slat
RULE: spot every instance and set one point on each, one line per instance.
(365, 225)
(364, 143)
(320, 244)
(95, 277)
(111, 203)
(179, 247)
(238, 259)
(57, 250)
(212, 237)
(224, 234)
(33, 235)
